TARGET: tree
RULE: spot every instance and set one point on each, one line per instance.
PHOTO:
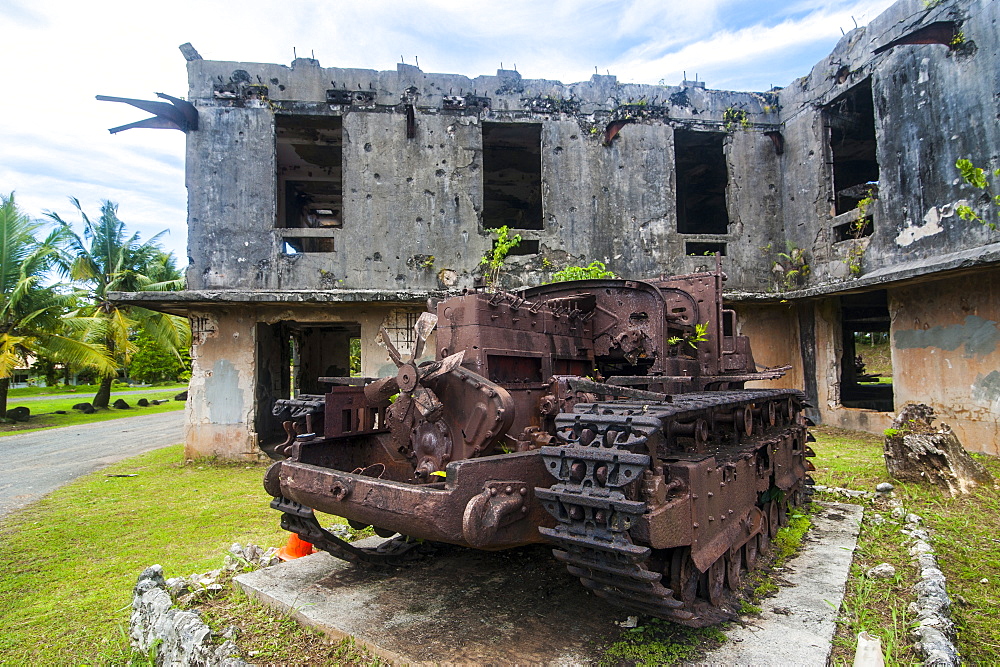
(151, 363)
(31, 315)
(106, 259)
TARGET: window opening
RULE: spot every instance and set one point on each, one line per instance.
(399, 325)
(291, 357)
(858, 229)
(702, 176)
(310, 181)
(850, 122)
(866, 364)
(512, 175)
(704, 248)
(525, 247)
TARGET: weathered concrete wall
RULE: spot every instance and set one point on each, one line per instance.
(946, 353)
(231, 199)
(934, 103)
(220, 405)
(408, 199)
(774, 338)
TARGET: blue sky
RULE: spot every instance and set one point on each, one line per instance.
(59, 54)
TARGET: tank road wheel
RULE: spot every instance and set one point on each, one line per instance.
(684, 575)
(783, 510)
(744, 420)
(764, 540)
(715, 582)
(771, 510)
(750, 550)
(771, 414)
(734, 565)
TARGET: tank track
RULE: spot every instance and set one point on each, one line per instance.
(606, 448)
(301, 520)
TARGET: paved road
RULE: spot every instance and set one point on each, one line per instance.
(38, 463)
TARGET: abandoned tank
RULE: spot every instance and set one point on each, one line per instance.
(607, 418)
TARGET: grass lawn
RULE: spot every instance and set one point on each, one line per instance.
(69, 561)
(84, 390)
(964, 534)
(43, 412)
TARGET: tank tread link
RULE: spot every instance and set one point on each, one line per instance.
(603, 451)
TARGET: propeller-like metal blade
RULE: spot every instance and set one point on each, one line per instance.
(382, 338)
(427, 403)
(423, 328)
(446, 365)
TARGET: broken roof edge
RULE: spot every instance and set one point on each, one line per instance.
(920, 270)
(181, 301)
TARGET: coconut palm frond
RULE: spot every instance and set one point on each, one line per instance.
(78, 353)
(10, 357)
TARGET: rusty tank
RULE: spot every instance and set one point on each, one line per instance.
(607, 418)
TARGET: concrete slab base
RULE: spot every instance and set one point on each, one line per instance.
(796, 626)
(521, 606)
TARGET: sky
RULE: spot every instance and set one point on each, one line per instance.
(57, 55)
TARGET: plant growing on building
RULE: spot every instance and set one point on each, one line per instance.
(791, 267)
(856, 231)
(733, 118)
(495, 258)
(976, 177)
(594, 270)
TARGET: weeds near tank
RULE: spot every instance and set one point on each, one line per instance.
(496, 257)
(659, 642)
(595, 270)
(976, 177)
(700, 335)
(791, 267)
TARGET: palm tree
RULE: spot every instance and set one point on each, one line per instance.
(31, 315)
(106, 259)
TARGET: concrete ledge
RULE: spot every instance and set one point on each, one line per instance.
(460, 606)
(521, 606)
(796, 626)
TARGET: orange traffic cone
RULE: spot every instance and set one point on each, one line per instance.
(296, 547)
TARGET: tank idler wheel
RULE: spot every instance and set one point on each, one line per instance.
(750, 551)
(715, 582)
(734, 566)
(684, 575)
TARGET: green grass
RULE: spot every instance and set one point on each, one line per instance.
(85, 389)
(964, 532)
(69, 561)
(659, 642)
(877, 358)
(43, 411)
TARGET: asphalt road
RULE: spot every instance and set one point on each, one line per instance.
(40, 462)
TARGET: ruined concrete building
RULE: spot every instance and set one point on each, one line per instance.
(326, 202)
